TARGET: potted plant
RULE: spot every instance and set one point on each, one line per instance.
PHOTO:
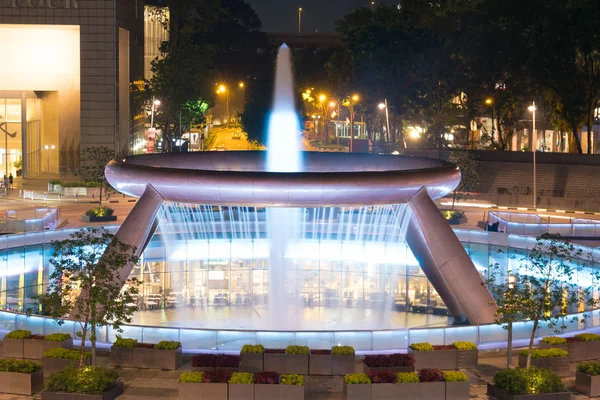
(99, 214)
(90, 383)
(291, 387)
(20, 377)
(320, 362)
(142, 355)
(383, 384)
(266, 385)
(241, 386)
(527, 384)
(121, 352)
(274, 360)
(296, 360)
(428, 356)
(167, 355)
(342, 360)
(57, 359)
(35, 345)
(227, 362)
(204, 385)
(203, 362)
(467, 355)
(555, 359)
(435, 389)
(13, 345)
(389, 362)
(252, 358)
(408, 386)
(357, 387)
(581, 347)
(457, 385)
(587, 379)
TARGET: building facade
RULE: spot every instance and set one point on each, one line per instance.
(70, 79)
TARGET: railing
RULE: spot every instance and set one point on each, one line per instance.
(36, 220)
(534, 225)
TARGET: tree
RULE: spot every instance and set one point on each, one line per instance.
(544, 288)
(93, 164)
(85, 284)
(469, 175)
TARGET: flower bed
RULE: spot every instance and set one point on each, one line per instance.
(22, 344)
(554, 359)
(461, 355)
(163, 355)
(581, 347)
(20, 377)
(241, 386)
(252, 358)
(389, 362)
(527, 384)
(55, 360)
(587, 379)
(91, 383)
(337, 361)
(99, 214)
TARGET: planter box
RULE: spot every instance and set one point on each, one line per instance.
(202, 391)
(440, 359)
(457, 390)
(342, 365)
(241, 392)
(274, 363)
(291, 392)
(35, 348)
(142, 357)
(296, 364)
(110, 394)
(267, 392)
(252, 362)
(230, 369)
(13, 348)
(433, 390)
(320, 364)
(357, 392)
(500, 394)
(52, 365)
(23, 384)
(202, 369)
(383, 391)
(409, 391)
(560, 365)
(393, 369)
(121, 356)
(587, 384)
(168, 359)
(578, 351)
(86, 218)
(467, 359)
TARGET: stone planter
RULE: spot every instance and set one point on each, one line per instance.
(587, 384)
(201, 369)
(241, 392)
(440, 359)
(457, 391)
(109, 394)
(121, 356)
(13, 348)
(23, 384)
(320, 364)
(86, 218)
(358, 392)
(296, 364)
(578, 351)
(252, 362)
(267, 392)
(342, 365)
(560, 365)
(291, 392)
(366, 369)
(199, 391)
(500, 394)
(383, 391)
(467, 359)
(35, 348)
(274, 362)
(168, 359)
(142, 357)
(409, 391)
(52, 365)
(433, 390)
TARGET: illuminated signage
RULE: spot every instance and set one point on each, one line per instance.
(45, 3)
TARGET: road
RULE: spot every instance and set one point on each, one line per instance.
(224, 140)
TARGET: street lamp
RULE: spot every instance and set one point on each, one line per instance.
(241, 85)
(384, 106)
(48, 148)
(223, 89)
(532, 108)
(335, 103)
(490, 102)
(349, 104)
(155, 103)
(299, 19)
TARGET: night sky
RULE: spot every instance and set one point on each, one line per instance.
(282, 15)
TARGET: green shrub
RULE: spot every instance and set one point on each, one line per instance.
(342, 351)
(100, 212)
(57, 337)
(528, 381)
(18, 334)
(408, 377)
(464, 345)
(88, 380)
(356, 379)
(65, 354)
(590, 368)
(19, 366)
(546, 353)
(55, 182)
(301, 350)
(455, 376)
(242, 378)
(554, 340)
(253, 349)
(167, 345)
(292, 379)
(587, 337)
(425, 346)
(191, 377)
(125, 343)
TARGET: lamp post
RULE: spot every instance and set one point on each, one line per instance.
(335, 103)
(532, 108)
(384, 106)
(349, 103)
(48, 148)
(155, 103)
(223, 89)
(299, 19)
(490, 102)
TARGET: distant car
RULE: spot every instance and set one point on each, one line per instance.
(236, 135)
